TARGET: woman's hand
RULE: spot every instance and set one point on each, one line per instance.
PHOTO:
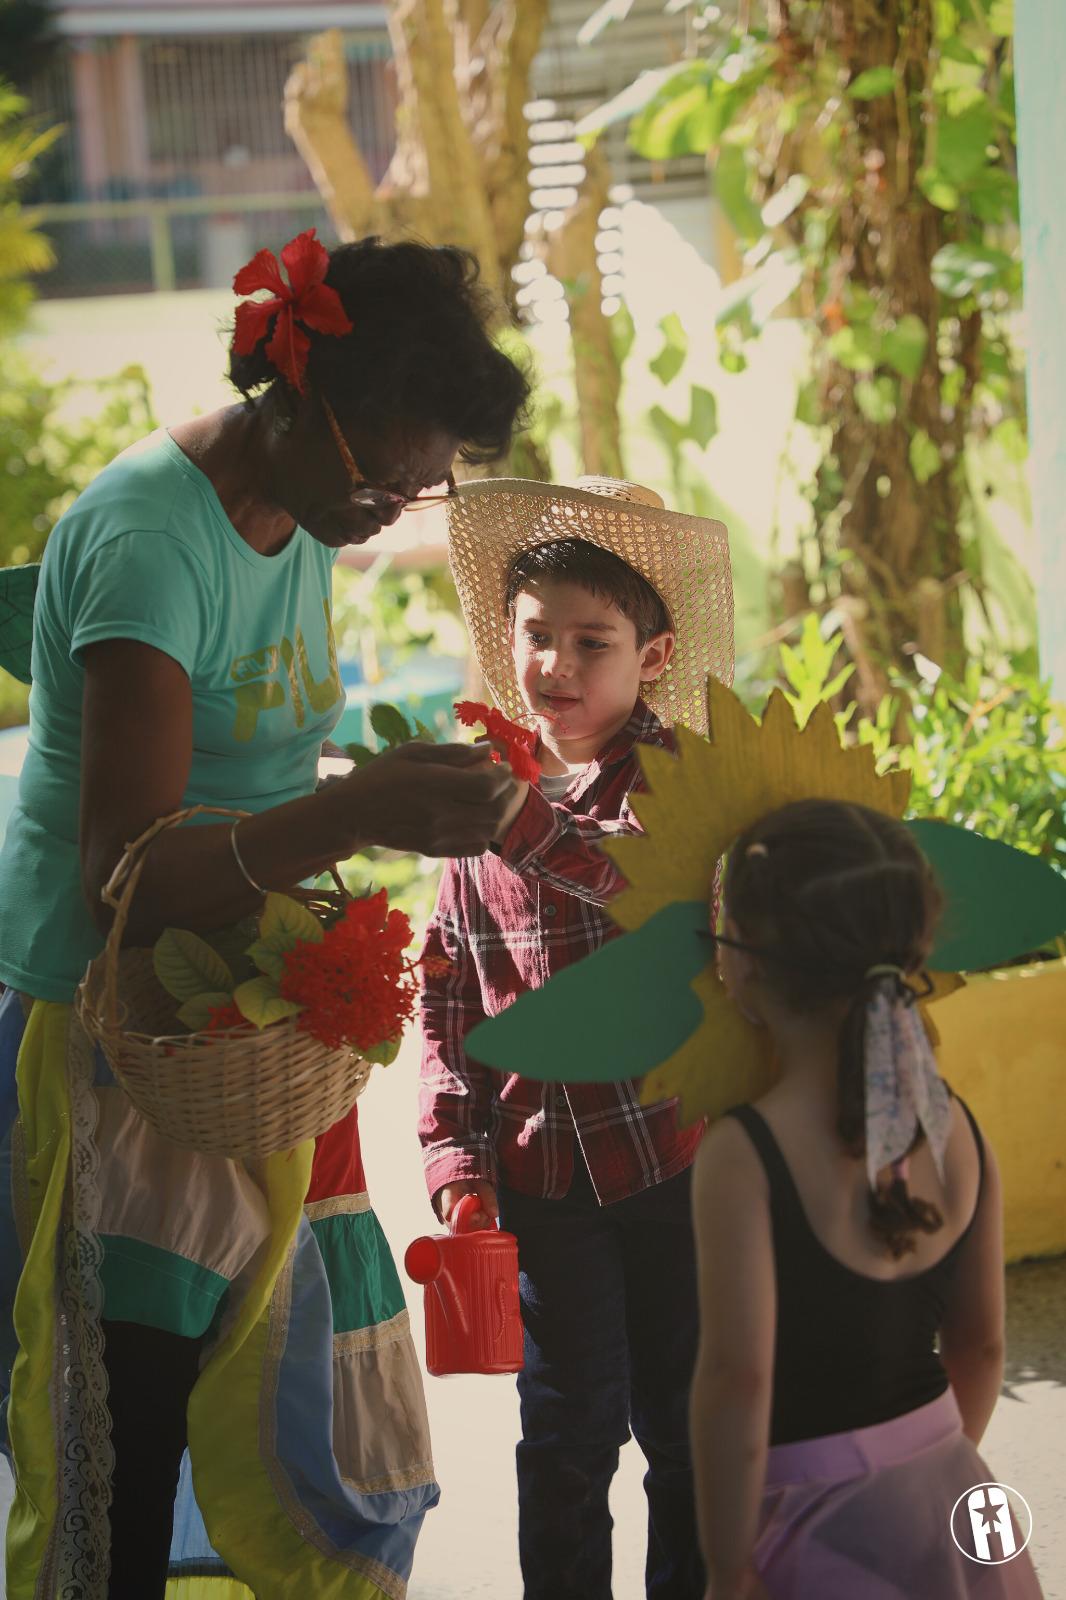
(136, 756)
(438, 800)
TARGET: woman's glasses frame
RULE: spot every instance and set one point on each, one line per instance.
(375, 495)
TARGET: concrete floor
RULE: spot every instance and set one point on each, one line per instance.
(468, 1549)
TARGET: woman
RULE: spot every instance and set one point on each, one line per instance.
(183, 654)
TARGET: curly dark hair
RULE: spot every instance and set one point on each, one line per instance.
(420, 348)
(835, 890)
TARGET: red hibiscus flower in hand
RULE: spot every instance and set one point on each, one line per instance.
(520, 743)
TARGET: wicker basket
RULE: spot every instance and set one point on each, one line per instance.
(232, 1094)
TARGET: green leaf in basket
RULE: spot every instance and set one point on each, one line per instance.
(187, 966)
(384, 1054)
(272, 962)
(232, 945)
(196, 1013)
(260, 1001)
(284, 923)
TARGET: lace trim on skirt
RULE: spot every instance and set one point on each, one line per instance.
(77, 1562)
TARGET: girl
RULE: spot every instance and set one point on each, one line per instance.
(849, 1244)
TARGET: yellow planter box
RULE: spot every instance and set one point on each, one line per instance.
(1003, 1049)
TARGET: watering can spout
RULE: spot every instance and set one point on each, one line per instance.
(424, 1262)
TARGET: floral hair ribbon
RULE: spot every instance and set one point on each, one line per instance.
(904, 1089)
(306, 301)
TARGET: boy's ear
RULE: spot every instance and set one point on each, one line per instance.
(655, 655)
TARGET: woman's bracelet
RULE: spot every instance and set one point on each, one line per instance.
(245, 874)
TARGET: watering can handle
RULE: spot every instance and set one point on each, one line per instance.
(467, 1207)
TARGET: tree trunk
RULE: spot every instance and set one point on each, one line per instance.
(316, 120)
(458, 175)
(570, 254)
(905, 532)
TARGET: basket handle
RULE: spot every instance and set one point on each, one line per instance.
(119, 889)
(118, 892)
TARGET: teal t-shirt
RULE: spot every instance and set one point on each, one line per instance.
(147, 553)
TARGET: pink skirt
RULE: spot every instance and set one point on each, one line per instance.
(867, 1515)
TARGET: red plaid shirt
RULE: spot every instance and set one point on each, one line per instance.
(506, 922)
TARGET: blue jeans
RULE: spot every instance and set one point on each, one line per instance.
(611, 1323)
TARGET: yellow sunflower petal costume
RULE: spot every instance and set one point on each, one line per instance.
(651, 1005)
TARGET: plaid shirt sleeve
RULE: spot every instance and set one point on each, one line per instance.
(454, 1095)
(562, 848)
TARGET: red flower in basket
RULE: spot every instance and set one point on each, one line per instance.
(355, 986)
(349, 985)
(306, 301)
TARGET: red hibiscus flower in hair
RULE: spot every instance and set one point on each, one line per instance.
(306, 301)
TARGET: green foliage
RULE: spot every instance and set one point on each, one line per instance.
(390, 724)
(700, 426)
(393, 728)
(811, 669)
(814, 173)
(394, 613)
(54, 439)
(873, 82)
(671, 358)
(695, 106)
(23, 250)
(27, 38)
(987, 752)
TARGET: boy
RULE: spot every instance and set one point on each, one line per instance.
(583, 613)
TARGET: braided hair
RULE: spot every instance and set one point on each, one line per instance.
(825, 891)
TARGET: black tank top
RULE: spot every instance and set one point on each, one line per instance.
(851, 1350)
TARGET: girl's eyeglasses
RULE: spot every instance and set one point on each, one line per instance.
(372, 495)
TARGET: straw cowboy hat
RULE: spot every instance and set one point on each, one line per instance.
(684, 558)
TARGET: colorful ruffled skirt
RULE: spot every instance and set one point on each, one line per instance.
(868, 1515)
(309, 1468)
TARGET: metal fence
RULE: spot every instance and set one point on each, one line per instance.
(122, 246)
(174, 165)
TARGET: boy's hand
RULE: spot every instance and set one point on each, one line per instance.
(521, 787)
(446, 1199)
(510, 816)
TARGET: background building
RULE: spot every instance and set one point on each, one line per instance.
(174, 164)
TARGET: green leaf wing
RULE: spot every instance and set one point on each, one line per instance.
(616, 1014)
(999, 902)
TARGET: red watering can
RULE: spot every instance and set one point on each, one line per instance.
(473, 1323)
